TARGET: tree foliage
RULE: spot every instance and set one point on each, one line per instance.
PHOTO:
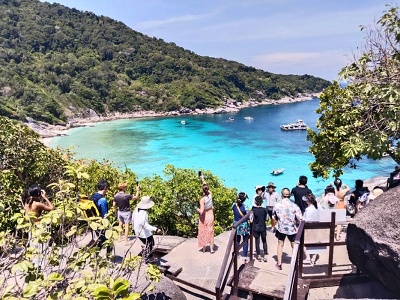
(63, 267)
(363, 118)
(178, 196)
(25, 161)
(57, 62)
(51, 259)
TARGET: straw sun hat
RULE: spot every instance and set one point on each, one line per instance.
(260, 187)
(145, 203)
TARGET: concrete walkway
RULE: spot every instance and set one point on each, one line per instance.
(203, 268)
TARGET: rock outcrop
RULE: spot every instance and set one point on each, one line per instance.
(373, 240)
(164, 290)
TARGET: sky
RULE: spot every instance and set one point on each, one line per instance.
(315, 37)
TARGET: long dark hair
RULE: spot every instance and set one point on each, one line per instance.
(311, 199)
(34, 192)
(329, 189)
(338, 183)
(206, 189)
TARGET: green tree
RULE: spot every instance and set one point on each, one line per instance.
(177, 198)
(363, 118)
(24, 160)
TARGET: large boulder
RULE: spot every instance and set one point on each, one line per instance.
(165, 289)
(373, 240)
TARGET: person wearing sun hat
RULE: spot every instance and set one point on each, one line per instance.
(142, 227)
(259, 228)
(260, 189)
(271, 198)
(329, 200)
(376, 191)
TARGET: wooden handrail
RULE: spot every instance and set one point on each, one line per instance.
(296, 264)
(224, 271)
(291, 284)
(218, 287)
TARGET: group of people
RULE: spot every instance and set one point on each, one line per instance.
(286, 213)
(283, 212)
(37, 202)
(122, 207)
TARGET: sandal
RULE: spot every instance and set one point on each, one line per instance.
(338, 238)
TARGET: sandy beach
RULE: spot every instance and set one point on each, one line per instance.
(47, 131)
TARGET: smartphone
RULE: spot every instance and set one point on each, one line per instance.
(199, 173)
(137, 183)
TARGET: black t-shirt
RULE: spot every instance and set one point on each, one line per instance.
(122, 201)
(298, 193)
(260, 216)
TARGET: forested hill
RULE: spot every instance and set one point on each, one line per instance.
(56, 62)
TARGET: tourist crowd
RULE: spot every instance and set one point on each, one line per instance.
(278, 213)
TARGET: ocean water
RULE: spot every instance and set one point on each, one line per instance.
(242, 152)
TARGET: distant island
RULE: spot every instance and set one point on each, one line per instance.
(59, 65)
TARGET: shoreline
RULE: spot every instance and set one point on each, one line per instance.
(47, 131)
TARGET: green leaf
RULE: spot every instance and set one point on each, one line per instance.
(93, 225)
(102, 293)
(108, 234)
(71, 232)
(55, 277)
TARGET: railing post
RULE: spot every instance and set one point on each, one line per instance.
(251, 239)
(218, 295)
(235, 267)
(331, 243)
(301, 255)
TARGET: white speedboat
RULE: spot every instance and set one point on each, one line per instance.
(299, 125)
(249, 118)
(278, 171)
(183, 122)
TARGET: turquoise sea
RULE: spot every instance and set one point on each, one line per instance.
(242, 153)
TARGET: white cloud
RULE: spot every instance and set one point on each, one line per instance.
(294, 24)
(180, 19)
(323, 63)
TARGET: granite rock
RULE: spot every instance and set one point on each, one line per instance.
(373, 240)
(163, 290)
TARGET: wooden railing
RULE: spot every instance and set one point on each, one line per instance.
(296, 265)
(232, 252)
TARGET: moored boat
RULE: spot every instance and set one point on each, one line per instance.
(278, 171)
(249, 118)
(183, 122)
(299, 125)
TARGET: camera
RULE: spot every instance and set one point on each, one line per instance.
(199, 173)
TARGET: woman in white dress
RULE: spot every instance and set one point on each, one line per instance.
(311, 214)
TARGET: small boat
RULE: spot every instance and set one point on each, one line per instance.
(249, 118)
(183, 122)
(278, 171)
(230, 119)
(385, 154)
(299, 125)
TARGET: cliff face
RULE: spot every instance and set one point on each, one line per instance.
(373, 240)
